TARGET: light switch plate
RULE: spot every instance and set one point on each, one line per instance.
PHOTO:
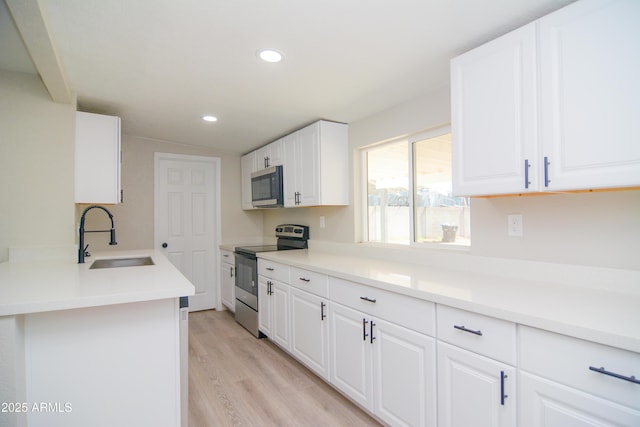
(514, 225)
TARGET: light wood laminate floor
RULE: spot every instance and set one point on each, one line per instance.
(238, 380)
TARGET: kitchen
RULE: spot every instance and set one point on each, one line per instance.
(597, 229)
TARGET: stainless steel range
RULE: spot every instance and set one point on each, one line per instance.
(289, 236)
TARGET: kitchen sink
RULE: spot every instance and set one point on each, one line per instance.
(122, 262)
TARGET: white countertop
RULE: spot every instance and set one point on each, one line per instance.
(600, 315)
(31, 287)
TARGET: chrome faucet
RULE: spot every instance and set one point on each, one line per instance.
(82, 249)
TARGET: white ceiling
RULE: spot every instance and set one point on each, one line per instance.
(162, 64)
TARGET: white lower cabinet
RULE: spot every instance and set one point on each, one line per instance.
(476, 373)
(351, 354)
(404, 374)
(545, 403)
(387, 369)
(273, 311)
(310, 331)
(227, 280)
(378, 348)
(568, 382)
(474, 390)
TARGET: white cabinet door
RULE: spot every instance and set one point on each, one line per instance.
(262, 158)
(280, 333)
(269, 155)
(264, 306)
(308, 158)
(273, 311)
(545, 403)
(310, 331)
(474, 390)
(387, 369)
(316, 166)
(351, 362)
(493, 98)
(247, 167)
(588, 98)
(404, 375)
(227, 286)
(97, 159)
(590, 94)
(275, 153)
(290, 170)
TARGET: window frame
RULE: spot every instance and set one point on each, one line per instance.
(410, 140)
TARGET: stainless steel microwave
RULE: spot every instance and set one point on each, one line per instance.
(267, 188)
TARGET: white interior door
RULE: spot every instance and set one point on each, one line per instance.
(187, 220)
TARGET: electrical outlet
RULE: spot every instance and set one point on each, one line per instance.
(514, 225)
(322, 222)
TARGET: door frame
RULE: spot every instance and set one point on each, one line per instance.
(217, 163)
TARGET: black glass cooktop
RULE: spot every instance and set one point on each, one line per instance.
(255, 249)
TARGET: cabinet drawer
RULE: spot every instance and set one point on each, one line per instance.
(481, 334)
(273, 270)
(568, 360)
(309, 281)
(409, 312)
(227, 256)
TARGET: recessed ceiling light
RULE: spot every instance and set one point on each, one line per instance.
(210, 118)
(270, 55)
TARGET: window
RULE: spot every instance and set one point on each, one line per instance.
(409, 192)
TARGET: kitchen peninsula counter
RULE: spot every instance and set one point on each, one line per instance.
(78, 340)
(32, 287)
(604, 310)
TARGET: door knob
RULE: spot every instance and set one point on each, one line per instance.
(164, 245)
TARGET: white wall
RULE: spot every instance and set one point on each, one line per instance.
(134, 218)
(595, 229)
(36, 166)
(37, 206)
(342, 223)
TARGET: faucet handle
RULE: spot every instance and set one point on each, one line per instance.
(86, 252)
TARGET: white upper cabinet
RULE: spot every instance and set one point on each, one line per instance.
(385, 368)
(291, 173)
(97, 159)
(590, 95)
(269, 155)
(493, 98)
(316, 165)
(247, 167)
(552, 105)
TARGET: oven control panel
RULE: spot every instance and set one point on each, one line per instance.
(292, 230)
